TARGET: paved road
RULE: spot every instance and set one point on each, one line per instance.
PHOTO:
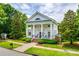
(6, 52)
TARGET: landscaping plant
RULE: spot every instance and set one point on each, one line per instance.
(46, 41)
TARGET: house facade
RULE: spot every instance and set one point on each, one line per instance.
(41, 26)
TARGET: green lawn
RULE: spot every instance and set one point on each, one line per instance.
(67, 46)
(17, 40)
(7, 45)
(44, 52)
(52, 45)
(21, 40)
(74, 47)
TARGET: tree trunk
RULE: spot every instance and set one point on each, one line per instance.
(71, 42)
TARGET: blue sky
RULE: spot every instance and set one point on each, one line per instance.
(53, 10)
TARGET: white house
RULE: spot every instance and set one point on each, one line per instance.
(41, 26)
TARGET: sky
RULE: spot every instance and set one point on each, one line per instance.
(53, 10)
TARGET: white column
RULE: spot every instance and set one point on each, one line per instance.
(26, 30)
(50, 31)
(33, 29)
(41, 30)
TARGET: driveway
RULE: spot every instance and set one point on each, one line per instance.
(7, 52)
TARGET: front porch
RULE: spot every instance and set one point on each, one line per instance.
(40, 31)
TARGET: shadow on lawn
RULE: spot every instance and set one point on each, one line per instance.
(74, 46)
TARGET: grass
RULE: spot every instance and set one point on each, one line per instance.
(44, 52)
(74, 47)
(7, 45)
(66, 46)
(21, 40)
(51, 45)
(17, 40)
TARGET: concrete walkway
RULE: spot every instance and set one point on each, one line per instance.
(25, 47)
(55, 49)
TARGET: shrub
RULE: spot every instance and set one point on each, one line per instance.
(26, 39)
(46, 41)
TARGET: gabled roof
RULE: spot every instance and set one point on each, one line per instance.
(49, 19)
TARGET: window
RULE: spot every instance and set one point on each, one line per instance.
(37, 18)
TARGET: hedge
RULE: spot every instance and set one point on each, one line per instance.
(46, 41)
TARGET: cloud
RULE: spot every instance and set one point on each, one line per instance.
(54, 10)
(46, 8)
(28, 16)
(57, 11)
(24, 6)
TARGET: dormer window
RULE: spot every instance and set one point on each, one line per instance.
(37, 19)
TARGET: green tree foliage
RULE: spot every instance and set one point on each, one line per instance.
(16, 26)
(12, 21)
(67, 26)
(23, 20)
(3, 18)
(77, 25)
(9, 10)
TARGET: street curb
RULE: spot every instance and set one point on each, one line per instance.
(17, 51)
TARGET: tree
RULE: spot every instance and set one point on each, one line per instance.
(3, 19)
(77, 24)
(23, 20)
(12, 21)
(9, 10)
(17, 25)
(67, 26)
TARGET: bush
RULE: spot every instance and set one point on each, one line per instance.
(46, 41)
(26, 39)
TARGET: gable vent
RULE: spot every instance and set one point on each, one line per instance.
(37, 19)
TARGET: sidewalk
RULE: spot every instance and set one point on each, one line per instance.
(25, 47)
(55, 49)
